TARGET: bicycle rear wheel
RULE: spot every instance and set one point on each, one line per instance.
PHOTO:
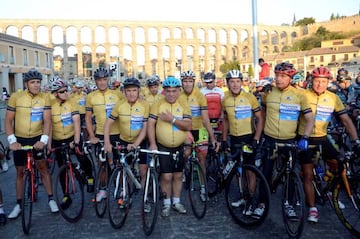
(293, 205)
(347, 206)
(150, 202)
(246, 193)
(101, 184)
(69, 183)
(27, 202)
(118, 205)
(197, 190)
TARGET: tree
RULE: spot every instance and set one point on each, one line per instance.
(251, 71)
(231, 65)
(305, 21)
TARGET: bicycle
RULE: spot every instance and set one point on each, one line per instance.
(196, 182)
(69, 185)
(151, 193)
(121, 186)
(30, 189)
(293, 196)
(4, 157)
(245, 185)
(341, 189)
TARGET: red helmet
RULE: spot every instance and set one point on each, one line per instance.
(321, 72)
(285, 68)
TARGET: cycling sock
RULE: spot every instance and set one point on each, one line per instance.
(313, 209)
(176, 200)
(18, 201)
(50, 197)
(167, 201)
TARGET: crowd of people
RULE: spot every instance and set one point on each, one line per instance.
(168, 114)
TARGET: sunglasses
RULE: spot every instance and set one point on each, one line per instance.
(62, 92)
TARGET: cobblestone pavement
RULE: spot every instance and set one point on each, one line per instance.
(216, 224)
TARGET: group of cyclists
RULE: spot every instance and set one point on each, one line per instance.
(168, 114)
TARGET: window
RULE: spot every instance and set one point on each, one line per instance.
(37, 60)
(47, 59)
(346, 57)
(321, 58)
(25, 57)
(333, 58)
(11, 55)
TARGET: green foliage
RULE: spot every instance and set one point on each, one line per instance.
(231, 65)
(251, 71)
(305, 21)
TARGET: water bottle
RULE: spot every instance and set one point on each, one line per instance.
(228, 167)
(320, 172)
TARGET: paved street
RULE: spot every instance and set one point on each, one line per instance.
(216, 224)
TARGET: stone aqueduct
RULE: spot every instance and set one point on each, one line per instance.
(163, 48)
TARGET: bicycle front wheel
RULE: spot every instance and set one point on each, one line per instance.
(101, 184)
(347, 204)
(247, 196)
(27, 202)
(118, 204)
(293, 205)
(69, 193)
(150, 202)
(197, 190)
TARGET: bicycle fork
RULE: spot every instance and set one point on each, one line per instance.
(347, 187)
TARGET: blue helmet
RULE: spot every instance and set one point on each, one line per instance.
(297, 78)
(171, 82)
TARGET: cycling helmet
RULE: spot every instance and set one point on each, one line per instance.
(153, 80)
(285, 68)
(321, 72)
(57, 84)
(171, 82)
(32, 74)
(101, 73)
(187, 74)
(209, 77)
(131, 82)
(80, 83)
(234, 74)
(342, 71)
(297, 78)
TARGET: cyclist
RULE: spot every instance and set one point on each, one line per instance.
(133, 115)
(28, 122)
(66, 129)
(341, 86)
(168, 124)
(99, 103)
(214, 96)
(324, 104)
(79, 96)
(239, 109)
(201, 128)
(2, 212)
(283, 106)
(154, 93)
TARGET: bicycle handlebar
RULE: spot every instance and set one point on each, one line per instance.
(154, 152)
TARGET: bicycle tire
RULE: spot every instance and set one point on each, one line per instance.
(242, 214)
(150, 202)
(213, 178)
(117, 213)
(294, 227)
(73, 188)
(197, 186)
(349, 216)
(51, 162)
(100, 207)
(27, 202)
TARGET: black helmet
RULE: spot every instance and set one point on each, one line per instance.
(209, 77)
(101, 73)
(32, 74)
(131, 82)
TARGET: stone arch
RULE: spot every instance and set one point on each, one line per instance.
(27, 33)
(139, 35)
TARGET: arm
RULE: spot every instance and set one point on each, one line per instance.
(107, 143)
(309, 125)
(77, 128)
(142, 135)
(347, 122)
(260, 124)
(89, 126)
(151, 133)
(225, 128)
(207, 125)
(9, 129)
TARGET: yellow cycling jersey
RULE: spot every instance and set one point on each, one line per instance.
(80, 100)
(101, 105)
(29, 110)
(131, 118)
(61, 119)
(323, 106)
(283, 109)
(239, 111)
(197, 103)
(151, 99)
(168, 134)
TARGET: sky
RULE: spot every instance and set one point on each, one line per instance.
(270, 12)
